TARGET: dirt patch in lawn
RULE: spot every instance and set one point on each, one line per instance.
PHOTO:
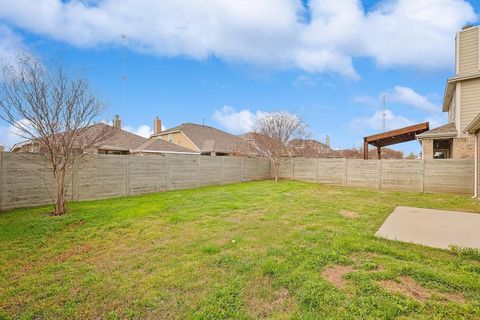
(410, 288)
(349, 214)
(336, 275)
(76, 250)
(263, 300)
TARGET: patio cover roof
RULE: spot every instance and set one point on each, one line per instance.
(393, 137)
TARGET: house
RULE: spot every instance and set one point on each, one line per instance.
(203, 139)
(461, 101)
(117, 142)
(310, 148)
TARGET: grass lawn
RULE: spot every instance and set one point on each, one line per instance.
(251, 250)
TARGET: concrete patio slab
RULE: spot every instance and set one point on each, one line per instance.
(433, 228)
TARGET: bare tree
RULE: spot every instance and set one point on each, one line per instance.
(54, 112)
(274, 132)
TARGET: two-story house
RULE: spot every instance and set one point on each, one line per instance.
(461, 101)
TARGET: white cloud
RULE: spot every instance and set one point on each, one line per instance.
(236, 122)
(375, 122)
(407, 96)
(10, 46)
(402, 96)
(272, 33)
(143, 130)
(10, 135)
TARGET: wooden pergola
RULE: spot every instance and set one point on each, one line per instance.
(392, 137)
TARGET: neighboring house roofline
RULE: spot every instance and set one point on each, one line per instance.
(175, 131)
(169, 152)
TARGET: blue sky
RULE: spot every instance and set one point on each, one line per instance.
(224, 62)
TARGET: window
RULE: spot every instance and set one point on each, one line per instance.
(122, 152)
(170, 138)
(442, 149)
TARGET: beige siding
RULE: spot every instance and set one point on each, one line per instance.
(179, 139)
(470, 101)
(468, 51)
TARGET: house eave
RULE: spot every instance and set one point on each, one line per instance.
(437, 135)
(474, 126)
(450, 87)
(165, 152)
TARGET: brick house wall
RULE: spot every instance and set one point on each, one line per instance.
(427, 146)
(462, 148)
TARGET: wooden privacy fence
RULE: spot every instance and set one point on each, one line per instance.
(450, 175)
(24, 182)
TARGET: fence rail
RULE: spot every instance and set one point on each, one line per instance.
(24, 181)
(450, 175)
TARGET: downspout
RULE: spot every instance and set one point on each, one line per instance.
(475, 168)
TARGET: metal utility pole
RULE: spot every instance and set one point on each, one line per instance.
(384, 115)
(123, 76)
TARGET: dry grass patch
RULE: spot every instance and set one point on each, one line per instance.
(75, 251)
(263, 300)
(410, 288)
(336, 275)
(349, 214)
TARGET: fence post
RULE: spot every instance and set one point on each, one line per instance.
(346, 172)
(198, 171)
(222, 170)
(166, 171)
(292, 161)
(380, 172)
(127, 175)
(241, 170)
(423, 175)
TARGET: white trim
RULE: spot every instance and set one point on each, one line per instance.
(457, 53)
(478, 48)
(436, 135)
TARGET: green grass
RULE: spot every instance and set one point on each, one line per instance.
(241, 251)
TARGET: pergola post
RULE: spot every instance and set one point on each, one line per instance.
(379, 153)
(365, 149)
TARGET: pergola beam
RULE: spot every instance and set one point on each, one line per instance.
(392, 137)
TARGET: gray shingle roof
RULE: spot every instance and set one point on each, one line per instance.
(159, 145)
(118, 139)
(209, 139)
(447, 130)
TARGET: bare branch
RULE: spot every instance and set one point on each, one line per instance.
(54, 112)
(274, 132)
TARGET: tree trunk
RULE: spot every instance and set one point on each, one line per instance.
(276, 168)
(60, 195)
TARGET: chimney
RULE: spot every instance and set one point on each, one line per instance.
(157, 125)
(467, 58)
(117, 123)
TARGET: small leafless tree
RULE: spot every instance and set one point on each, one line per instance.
(54, 113)
(273, 133)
